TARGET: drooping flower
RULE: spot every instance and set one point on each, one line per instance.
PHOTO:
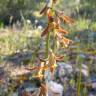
(64, 18)
(47, 11)
(63, 40)
(50, 26)
(40, 70)
(67, 19)
(61, 30)
(54, 1)
(54, 25)
(47, 64)
(45, 31)
(43, 90)
(44, 9)
(51, 62)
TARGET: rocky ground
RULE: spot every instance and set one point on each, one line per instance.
(15, 78)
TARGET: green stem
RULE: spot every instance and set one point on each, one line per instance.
(46, 54)
(54, 44)
(79, 82)
(47, 44)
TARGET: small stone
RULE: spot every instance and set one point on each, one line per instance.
(55, 88)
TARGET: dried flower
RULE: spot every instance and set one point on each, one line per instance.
(43, 90)
(44, 9)
(54, 1)
(63, 41)
(49, 13)
(60, 30)
(64, 18)
(45, 31)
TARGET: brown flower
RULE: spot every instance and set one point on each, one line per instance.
(64, 18)
(50, 26)
(43, 90)
(25, 93)
(63, 41)
(49, 13)
(67, 19)
(45, 31)
(52, 59)
(54, 0)
(40, 70)
(44, 9)
(53, 26)
(60, 30)
(49, 63)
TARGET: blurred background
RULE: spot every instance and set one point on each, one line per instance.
(25, 13)
(20, 41)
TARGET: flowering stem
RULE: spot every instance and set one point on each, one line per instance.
(54, 44)
(47, 44)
